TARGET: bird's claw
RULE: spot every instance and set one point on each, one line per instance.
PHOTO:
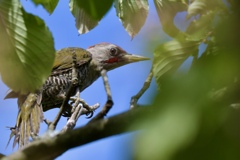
(89, 114)
(68, 111)
(76, 100)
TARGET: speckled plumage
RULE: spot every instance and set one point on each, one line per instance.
(59, 81)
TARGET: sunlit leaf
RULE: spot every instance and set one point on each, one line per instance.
(170, 55)
(27, 49)
(196, 7)
(167, 9)
(84, 22)
(94, 8)
(201, 28)
(132, 14)
(49, 5)
(199, 7)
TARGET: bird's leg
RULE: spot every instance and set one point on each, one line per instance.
(108, 105)
(146, 85)
(106, 84)
(67, 110)
(75, 100)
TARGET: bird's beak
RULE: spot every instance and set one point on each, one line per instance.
(130, 58)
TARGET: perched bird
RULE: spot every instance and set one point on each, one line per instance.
(89, 64)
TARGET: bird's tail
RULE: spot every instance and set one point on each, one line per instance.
(28, 120)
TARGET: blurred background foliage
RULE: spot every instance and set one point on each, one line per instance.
(196, 110)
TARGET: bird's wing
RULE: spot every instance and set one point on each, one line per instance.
(64, 58)
(63, 61)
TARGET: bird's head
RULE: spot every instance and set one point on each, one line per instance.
(110, 56)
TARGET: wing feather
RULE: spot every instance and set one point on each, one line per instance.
(63, 59)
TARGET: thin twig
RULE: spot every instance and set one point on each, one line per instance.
(73, 119)
(71, 89)
(146, 85)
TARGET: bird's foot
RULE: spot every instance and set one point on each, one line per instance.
(76, 113)
(67, 112)
(87, 110)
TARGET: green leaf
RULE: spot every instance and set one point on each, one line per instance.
(201, 28)
(199, 7)
(170, 55)
(94, 8)
(132, 14)
(49, 5)
(172, 129)
(167, 10)
(27, 49)
(196, 7)
(191, 117)
(185, 121)
(84, 22)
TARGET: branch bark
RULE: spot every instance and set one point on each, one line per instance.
(51, 147)
(146, 85)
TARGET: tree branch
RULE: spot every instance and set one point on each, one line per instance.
(2, 155)
(108, 105)
(146, 85)
(52, 147)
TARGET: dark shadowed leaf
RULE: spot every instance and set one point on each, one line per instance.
(170, 55)
(167, 10)
(171, 130)
(84, 22)
(94, 8)
(27, 52)
(132, 14)
(49, 5)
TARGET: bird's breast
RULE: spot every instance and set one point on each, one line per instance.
(57, 85)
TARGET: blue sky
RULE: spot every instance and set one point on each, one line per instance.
(124, 82)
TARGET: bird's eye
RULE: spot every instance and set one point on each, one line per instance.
(113, 51)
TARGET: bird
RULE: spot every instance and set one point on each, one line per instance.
(89, 63)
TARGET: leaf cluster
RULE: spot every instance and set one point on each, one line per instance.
(27, 48)
(196, 111)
